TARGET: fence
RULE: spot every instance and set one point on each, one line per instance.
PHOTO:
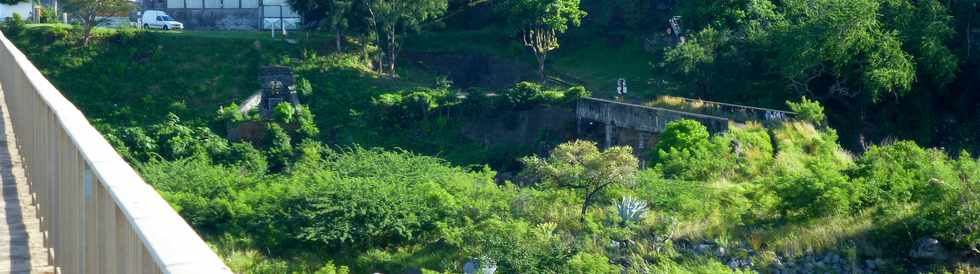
(97, 213)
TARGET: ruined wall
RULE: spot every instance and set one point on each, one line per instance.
(224, 19)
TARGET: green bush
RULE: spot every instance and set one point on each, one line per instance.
(279, 146)
(524, 95)
(901, 172)
(307, 124)
(177, 140)
(808, 111)
(573, 93)
(751, 148)
(362, 199)
(820, 190)
(49, 15)
(14, 25)
(304, 87)
(202, 192)
(686, 151)
(683, 134)
(587, 263)
(250, 159)
(284, 113)
(951, 212)
(519, 247)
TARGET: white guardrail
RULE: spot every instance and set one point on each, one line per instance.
(98, 215)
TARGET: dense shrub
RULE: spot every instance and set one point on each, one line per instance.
(177, 140)
(808, 111)
(524, 95)
(683, 134)
(901, 172)
(588, 263)
(367, 212)
(14, 25)
(687, 151)
(576, 92)
(250, 159)
(751, 148)
(818, 190)
(306, 122)
(284, 113)
(519, 247)
(951, 212)
(361, 199)
(202, 192)
(278, 146)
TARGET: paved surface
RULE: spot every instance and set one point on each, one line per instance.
(21, 242)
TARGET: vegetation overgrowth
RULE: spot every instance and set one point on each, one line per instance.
(373, 173)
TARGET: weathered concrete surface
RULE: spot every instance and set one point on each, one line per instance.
(224, 19)
(639, 117)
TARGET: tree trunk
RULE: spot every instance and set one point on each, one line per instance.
(587, 203)
(86, 34)
(392, 50)
(541, 58)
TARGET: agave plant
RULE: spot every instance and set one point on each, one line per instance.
(631, 209)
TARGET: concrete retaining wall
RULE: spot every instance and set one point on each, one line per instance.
(224, 19)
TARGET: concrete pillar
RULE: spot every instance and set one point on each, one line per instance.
(643, 141)
(609, 134)
(640, 146)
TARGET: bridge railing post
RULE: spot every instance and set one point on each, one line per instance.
(97, 214)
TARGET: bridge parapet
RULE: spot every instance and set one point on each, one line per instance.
(640, 117)
(98, 215)
(737, 113)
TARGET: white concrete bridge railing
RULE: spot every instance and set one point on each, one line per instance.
(97, 214)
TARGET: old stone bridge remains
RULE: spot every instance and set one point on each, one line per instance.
(617, 122)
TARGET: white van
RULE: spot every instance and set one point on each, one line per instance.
(159, 20)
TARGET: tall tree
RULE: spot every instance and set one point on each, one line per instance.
(540, 22)
(329, 14)
(94, 12)
(581, 165)
(393, 19)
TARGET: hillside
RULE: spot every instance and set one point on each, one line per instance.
(459, 159)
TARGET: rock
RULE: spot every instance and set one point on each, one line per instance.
(870, 264)
(702, 248)
(928, 248)
(473, 267)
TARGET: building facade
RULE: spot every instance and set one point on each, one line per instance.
(229, 14)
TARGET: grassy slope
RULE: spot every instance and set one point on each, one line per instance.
(580, 59)
(118, 80)
(187, 73)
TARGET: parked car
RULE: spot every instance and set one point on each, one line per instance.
(160, 20)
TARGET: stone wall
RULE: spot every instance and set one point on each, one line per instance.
(224, 19)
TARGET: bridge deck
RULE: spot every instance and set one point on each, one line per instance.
(21, 242)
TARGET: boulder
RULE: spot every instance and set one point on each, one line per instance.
(928, 248)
